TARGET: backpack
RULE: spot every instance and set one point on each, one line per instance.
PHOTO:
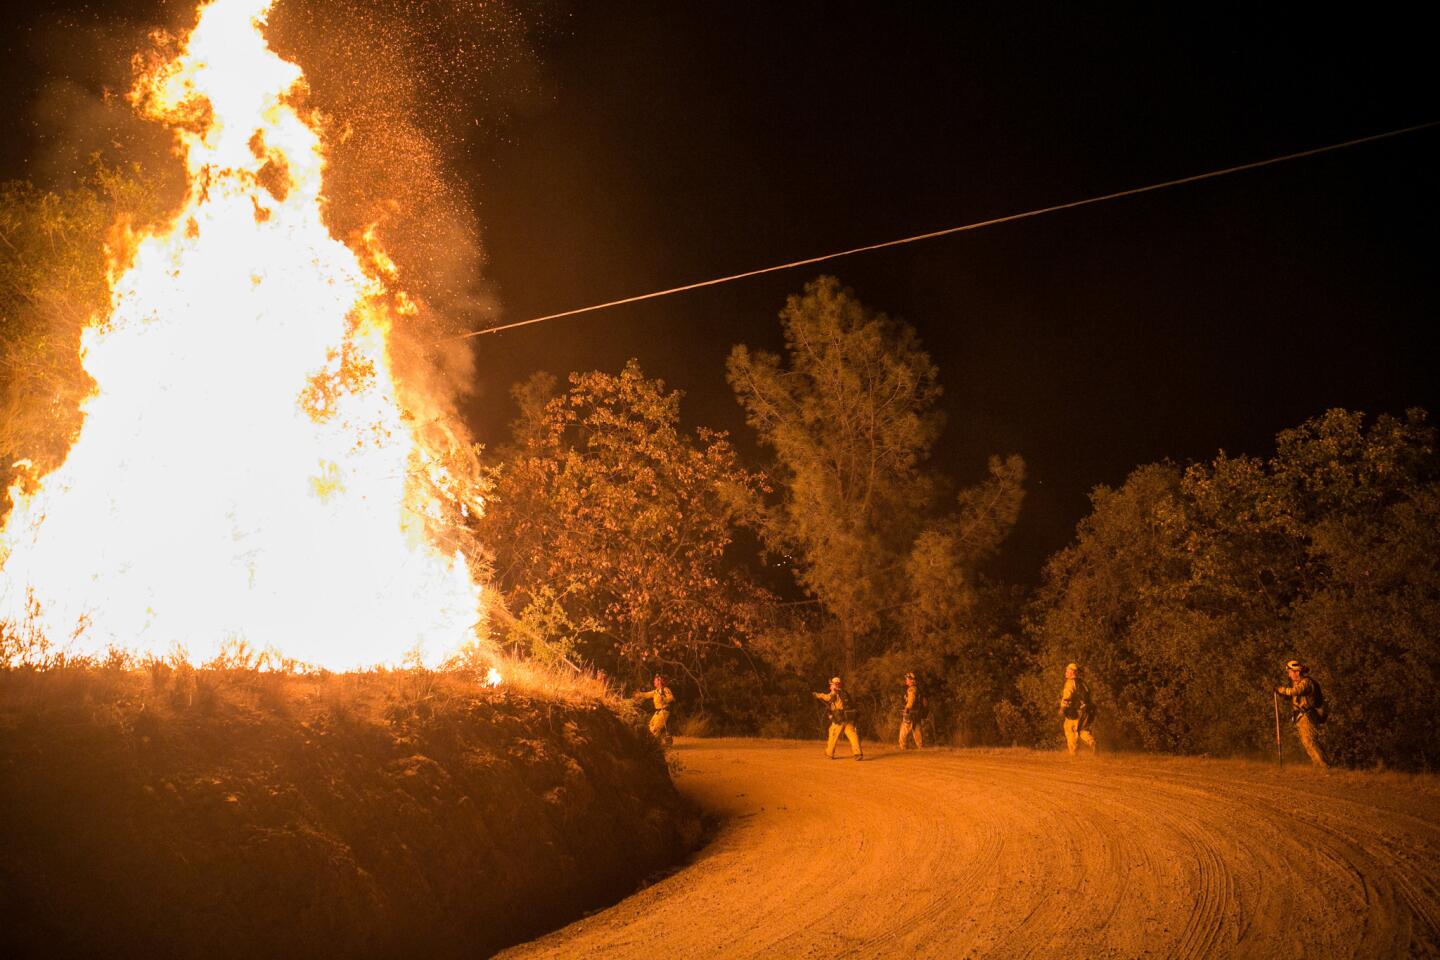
(1087, 711)
(921, 710)
(1319, 711)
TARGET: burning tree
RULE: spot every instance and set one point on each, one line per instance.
(52, 282)
(246, 469)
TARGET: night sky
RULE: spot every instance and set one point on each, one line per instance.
(652, 144)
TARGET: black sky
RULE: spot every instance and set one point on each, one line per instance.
(678, 141)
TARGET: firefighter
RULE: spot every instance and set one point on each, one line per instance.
(1077, 710)
(912, 713)
(842, 720)
(1307, 704)
(662, 697)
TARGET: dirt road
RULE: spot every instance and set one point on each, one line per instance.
(960, 853)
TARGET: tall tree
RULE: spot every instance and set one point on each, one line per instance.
(850, 414)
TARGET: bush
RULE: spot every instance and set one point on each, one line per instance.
(696, 725)
(1186, 591)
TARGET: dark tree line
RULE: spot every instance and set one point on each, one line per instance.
(1186, 589)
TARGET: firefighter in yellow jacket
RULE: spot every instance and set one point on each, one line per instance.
(1308, 705)
(911, 714)
(842, 720)
(662, 697)
(1076, 709)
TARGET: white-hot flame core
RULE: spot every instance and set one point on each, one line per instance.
(202, 503)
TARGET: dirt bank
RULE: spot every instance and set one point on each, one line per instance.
(1006, 854)
(244, 814)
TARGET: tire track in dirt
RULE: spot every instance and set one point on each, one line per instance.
(1012, 853)
(1373, 857)
(965, 876)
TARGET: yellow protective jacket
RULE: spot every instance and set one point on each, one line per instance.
(840, 709)
(662, 698)
(1302, 697)
(1074, 697)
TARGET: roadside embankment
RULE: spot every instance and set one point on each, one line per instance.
(238, 813)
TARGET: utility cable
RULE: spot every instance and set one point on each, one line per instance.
(1010, 218)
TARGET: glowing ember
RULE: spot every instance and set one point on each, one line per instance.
(244, 471)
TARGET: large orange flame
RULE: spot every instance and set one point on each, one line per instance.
(244, 471)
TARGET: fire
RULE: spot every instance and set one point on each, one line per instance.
(245, 472)
(493, 678)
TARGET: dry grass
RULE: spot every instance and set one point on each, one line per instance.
(696, 725)
(242, 674)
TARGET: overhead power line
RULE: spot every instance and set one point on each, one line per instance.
(1010, 218)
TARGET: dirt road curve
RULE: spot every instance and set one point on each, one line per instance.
(959, 853)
